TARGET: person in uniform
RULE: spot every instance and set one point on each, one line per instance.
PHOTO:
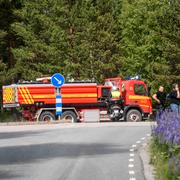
(115, 94)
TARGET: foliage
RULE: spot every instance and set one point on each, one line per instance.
(160, 160)
(66, 36)
(43, 49)
(165, 146)
(7, 38)
(99, 46)
(7, 116)
(168, 126)
(90, 39)
(150, 40)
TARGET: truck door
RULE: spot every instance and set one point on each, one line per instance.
(140, 97)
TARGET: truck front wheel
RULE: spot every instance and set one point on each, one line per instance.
(133, 115)
(47, 116)
(69, 116)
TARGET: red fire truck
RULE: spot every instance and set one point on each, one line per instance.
(82, 102)
(135, 94)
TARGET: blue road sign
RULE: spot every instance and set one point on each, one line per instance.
(58, 105)
(57, 80)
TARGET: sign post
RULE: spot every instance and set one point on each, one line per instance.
(58, 80)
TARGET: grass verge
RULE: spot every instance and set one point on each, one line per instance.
(9, 116)
(161, 159)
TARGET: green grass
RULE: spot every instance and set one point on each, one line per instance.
(7, 116)
(160, 159)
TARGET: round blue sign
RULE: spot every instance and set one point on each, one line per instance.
(57, 80)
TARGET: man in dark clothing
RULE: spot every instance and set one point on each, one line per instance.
(175, 98)
(160, 98)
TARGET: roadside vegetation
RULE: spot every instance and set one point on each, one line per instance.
(165, 146)
(11, 115)
(6, 116)
(90, 39)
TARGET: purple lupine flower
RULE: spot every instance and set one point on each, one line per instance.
(167, 129)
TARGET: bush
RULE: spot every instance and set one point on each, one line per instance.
(168, 127)
(165, 146)
(9, 115)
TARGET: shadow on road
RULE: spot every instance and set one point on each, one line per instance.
(9, 135)
(30, 153)
(8, 175)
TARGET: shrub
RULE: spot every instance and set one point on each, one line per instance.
(168, 128)
(167, 138)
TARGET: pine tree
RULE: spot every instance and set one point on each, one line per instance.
(90, 39)
(170, 33)
(149, 32)
(44, 43)
(96, 45)
(7, 38)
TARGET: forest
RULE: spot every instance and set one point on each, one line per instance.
(90, 39)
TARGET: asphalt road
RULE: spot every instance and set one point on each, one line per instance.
(72, 152)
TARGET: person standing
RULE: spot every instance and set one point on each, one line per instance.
(175, 98)
(160, 98)
(115, 94)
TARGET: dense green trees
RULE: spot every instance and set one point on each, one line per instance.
(78, 39)
(7, 38)
(151, 39)
(90, 39)
(96, 41)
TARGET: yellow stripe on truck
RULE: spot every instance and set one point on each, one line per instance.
(22, 94)
(139, 97)
(29, 95)
(26, 95)
(65, 96)
(43, 96)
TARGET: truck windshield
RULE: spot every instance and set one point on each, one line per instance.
(139, 89)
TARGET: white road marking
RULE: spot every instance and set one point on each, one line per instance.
(131, 165)
(131, 160)
(132, 179)
(132, 155)
(131, 172)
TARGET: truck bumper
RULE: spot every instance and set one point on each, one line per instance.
(10, 105)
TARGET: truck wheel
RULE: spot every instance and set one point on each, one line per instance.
(69, 116)
(133, 115)
(47, 116)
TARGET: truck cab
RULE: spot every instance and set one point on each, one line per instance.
(134, 92)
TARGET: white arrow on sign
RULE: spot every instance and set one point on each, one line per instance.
(59, 81)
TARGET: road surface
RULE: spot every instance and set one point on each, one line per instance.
(97, 151)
